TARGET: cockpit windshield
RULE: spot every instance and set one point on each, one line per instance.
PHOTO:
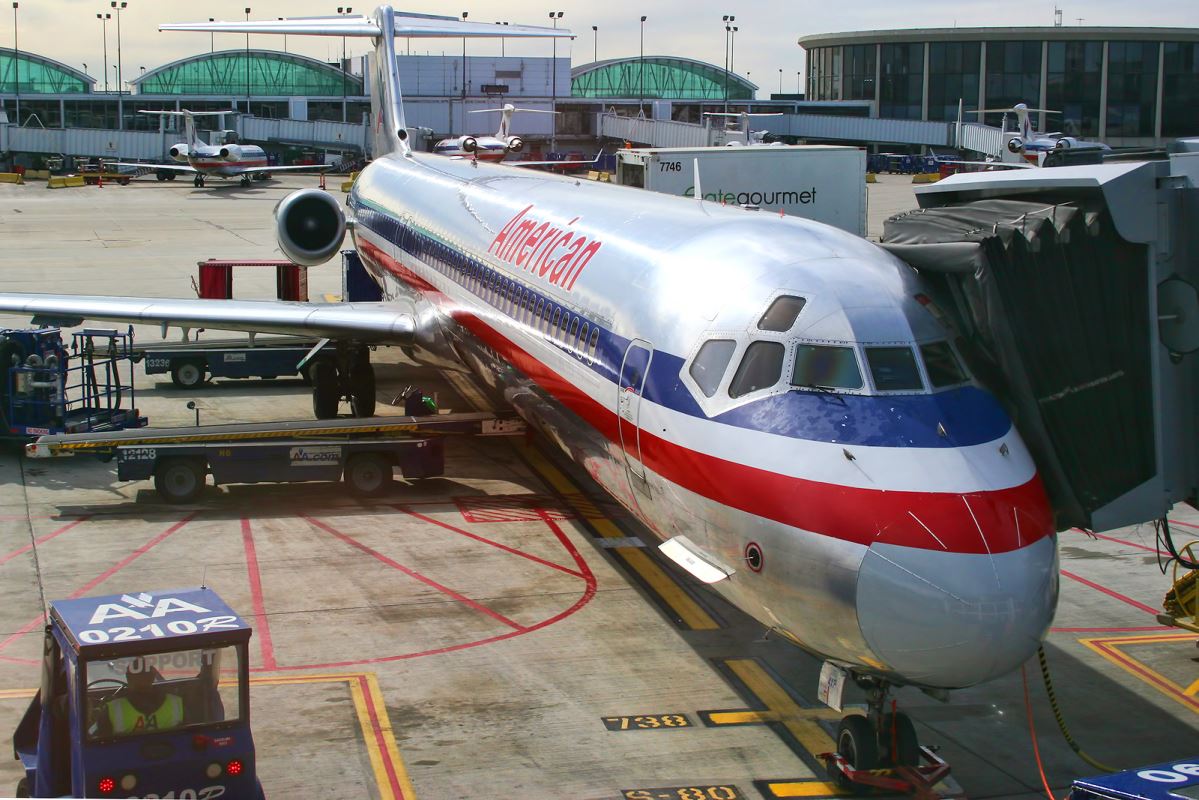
(893, 369)
(825, 366)
(941, 364)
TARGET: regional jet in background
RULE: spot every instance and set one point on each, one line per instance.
(774, 399)
(488, 148)
(229, 159)
(1029, 147)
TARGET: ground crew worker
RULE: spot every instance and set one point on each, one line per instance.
(144, 705)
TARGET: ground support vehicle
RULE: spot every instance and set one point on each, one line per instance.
(367, 465)
(46, 388)
(1173, 780)
(190, 364)
(918, 780)
(185, 649)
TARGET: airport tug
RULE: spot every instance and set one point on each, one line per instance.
(142, 695)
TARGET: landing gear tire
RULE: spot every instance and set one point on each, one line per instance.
(326, 394)
(198, 181)
(187, 374)
(362, 390)
(857, 742)
(899, 744)
(245, 180)
(179, 480)
(368, 474)
(22, 788)
(171, 176)
(161, 176)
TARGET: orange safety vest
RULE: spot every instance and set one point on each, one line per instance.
(126, 718)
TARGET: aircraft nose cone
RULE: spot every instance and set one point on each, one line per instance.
(951, 619)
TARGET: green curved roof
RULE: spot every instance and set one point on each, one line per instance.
(271, 73)
(39, 75)
(665, 78)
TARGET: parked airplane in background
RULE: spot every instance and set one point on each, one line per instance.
(1028, 144)
(488, 148)
(226, 160)
(771, 397)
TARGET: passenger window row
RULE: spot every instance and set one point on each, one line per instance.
(893, 368)
(524, 305)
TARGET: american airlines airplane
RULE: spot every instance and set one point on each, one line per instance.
(777, 400)
(229, 160)
(488, 148)
(1027, 145)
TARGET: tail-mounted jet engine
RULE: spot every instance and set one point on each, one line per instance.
(1015, 144)
(230, 153)
(515, 144)
(469, 144)
(179, 152)
(310, 225)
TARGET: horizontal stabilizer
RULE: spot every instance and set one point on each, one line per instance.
(413, 26)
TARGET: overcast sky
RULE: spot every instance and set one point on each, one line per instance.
(68, 31)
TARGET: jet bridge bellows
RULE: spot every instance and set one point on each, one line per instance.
(1073, 290)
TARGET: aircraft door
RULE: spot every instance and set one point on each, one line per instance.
(633, 371)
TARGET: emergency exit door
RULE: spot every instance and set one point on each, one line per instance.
(633, 371)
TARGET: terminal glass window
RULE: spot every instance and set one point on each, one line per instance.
(953, 76)
(660, 77)
(38, 76)
(894, 369)
(1013, 76)
(822, 366)
(1180, 117)
(262, 73)
(46, 112)
(860, 62)
(710, 363)
(91, 114)
(760, 368)
(902, 76)
(1074, 77)
(145, 694)
(1131, 88)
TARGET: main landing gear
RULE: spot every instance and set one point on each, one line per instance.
(880, 750)
(198, 181)
(348, 375)
(245, 180)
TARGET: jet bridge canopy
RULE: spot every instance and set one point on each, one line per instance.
(1077, 304)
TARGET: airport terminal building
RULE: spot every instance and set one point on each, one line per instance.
(1125, 86)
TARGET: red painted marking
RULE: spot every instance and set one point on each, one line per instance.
(1110, 593)
(1114, 539)
(584, 599)
(380, 740)
(513, 508)
(10, 556)
(1134, 629)
(375, 554)
(108, 573)
(1140, 669)
(14, 660)
(263, 627)
(843, 512)
(1183, 524)
(495, 544)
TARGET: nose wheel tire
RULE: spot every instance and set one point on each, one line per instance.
(857, 742)
(326, 394)
(899, 745)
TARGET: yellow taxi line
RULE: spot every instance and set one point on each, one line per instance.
(800, 722)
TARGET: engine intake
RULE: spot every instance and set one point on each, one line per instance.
(225, 153)
(310, 225)
(469, 144)
(515, 144)
(179, 152)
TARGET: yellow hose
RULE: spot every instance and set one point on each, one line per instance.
(1061, 722)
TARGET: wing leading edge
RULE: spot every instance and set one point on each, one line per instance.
(383, 323)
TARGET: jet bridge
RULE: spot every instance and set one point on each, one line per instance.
(1075, 293)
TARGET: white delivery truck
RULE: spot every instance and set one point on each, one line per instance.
(820, 182)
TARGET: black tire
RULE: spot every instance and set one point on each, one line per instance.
(368, 474)
(187, 374)
(179, 480)
(171, 176)
(362, 390)
(907, 745)
(161, 177)
(22, 788)
(326, 395)
(857, 744)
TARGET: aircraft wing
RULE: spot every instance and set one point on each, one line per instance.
(385, 323)
(143, 165)
(251, 170)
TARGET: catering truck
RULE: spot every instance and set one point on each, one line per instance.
(824, 183)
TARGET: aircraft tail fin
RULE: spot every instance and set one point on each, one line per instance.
(189, 123)
(389, 130)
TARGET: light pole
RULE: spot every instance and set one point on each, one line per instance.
(16, 64)
(118, 7)
(554, 17)
(733, 51)
(780, 80)
(247, 63)
(503, 51)
(727, 30)
(285, 38)
(641, 73)
(212, 38)
(464, 16)
(345, 11)
(798, 82)
(595, 43)
(104, 33)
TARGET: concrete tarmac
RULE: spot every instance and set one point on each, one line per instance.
(500, 630)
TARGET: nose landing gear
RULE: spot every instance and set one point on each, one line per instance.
(879, 750)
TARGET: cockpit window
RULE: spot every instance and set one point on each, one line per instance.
(894, 369)
(826, 367)
(942, 365)
(760, 368)
(781, 314)
(710, 363)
